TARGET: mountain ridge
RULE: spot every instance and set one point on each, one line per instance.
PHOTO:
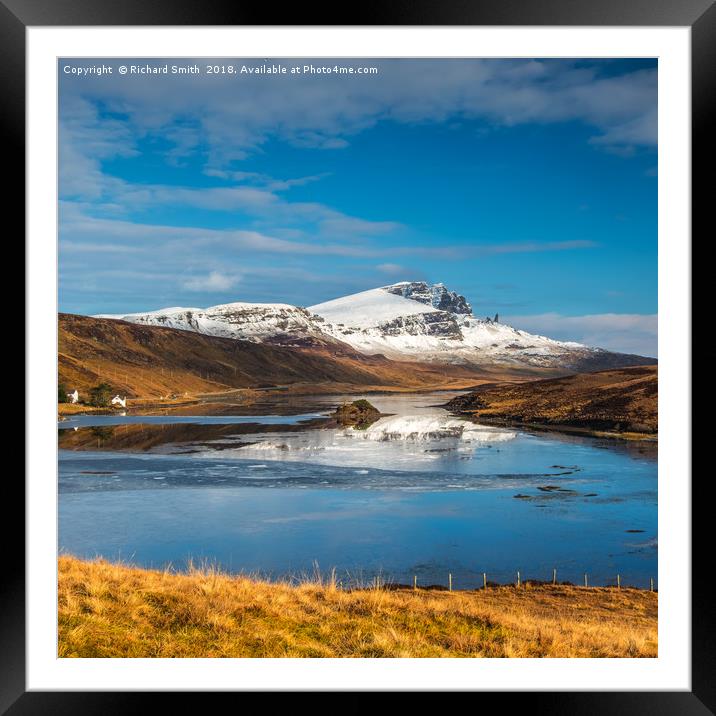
(405, 321)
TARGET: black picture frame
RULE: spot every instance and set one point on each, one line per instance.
(699, 15)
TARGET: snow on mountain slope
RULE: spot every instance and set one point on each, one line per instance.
(368, 308)
(411, 320)
(401, 321)
(258, 322)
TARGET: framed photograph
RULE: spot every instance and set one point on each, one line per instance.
(359, 354)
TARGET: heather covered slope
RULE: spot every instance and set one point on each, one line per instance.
(153, 361)
(624, 400)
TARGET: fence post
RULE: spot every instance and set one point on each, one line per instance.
(484, 580)
(585, 579)
(651, 584)
(518, 579)
(450, 582)
(619, 582)
(554, 576)
(415, 581)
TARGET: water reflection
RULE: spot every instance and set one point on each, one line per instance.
(418, 492)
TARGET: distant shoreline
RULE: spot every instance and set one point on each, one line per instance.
(619, 404)
(568, 429)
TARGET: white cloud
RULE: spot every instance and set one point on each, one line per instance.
(86, 247)
(79, 229)
(623, 332)
(187, 243)
(84, 142)
(264, 180)
(214, 282)
(529, 247)
(237, 115)
(392, 269)
(254, 195)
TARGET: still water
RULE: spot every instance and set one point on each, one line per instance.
(418, 493)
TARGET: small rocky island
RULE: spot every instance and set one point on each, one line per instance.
(359, 414)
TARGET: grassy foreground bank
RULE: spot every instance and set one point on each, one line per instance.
(110, 610)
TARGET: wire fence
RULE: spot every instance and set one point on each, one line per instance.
(432, 582)
(450, 584)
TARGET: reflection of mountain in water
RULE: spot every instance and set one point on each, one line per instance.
(415, 435)
(432, 427)
(419, 486)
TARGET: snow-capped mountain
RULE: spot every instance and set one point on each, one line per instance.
(403, 321)
(416, 320)
(278, 323)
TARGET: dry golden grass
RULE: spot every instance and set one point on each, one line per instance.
(111, 610)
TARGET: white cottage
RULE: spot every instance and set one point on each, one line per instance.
(119, 401)
(73, 397)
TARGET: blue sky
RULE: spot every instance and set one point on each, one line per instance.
(529, 186)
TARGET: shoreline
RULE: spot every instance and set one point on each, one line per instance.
(220, 403)
(352, 585)
(556, 428)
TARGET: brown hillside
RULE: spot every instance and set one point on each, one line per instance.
(623, 400)
(152, 361)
